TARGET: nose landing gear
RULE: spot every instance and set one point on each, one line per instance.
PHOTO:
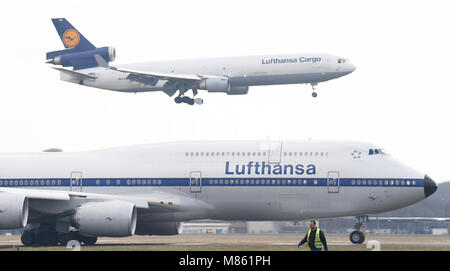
(357, 236)
(314, 94)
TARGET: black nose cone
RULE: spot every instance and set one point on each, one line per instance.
(429, 186)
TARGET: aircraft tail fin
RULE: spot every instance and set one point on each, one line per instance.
(79, 53)
(70, 36)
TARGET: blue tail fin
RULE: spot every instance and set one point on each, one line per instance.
(70, 36)
(79, 52)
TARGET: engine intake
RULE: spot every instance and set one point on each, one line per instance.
(13, 211)
(106, 219)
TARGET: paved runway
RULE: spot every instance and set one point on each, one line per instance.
(282, 241)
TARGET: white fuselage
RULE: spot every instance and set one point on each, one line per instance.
(230, 180)
(242, 71)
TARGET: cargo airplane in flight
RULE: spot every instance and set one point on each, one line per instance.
(150, 189)
(230, 75)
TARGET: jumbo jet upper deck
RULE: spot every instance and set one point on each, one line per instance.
(230, 75)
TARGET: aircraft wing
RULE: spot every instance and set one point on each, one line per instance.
(173, 80)
(165, 201)
(163, 76)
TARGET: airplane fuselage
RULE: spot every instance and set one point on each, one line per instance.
(242, 71)
(226, 180)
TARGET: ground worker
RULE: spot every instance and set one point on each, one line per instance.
(315, 238)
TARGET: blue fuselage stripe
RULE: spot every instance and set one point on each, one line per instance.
(205, 181)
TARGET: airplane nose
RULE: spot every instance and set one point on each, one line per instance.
(352, 67)
(429, 186)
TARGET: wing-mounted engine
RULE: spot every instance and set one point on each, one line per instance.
(238, 90)
(162, 228)
(221, 84)
(215, 84)
(13, 211)
(106, 219)
(81, 59)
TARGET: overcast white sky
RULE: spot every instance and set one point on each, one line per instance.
(398, 98)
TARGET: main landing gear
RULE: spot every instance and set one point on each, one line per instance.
(357, 236)
(47, 236)
(187, 100)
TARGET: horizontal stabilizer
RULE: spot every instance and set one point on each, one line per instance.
(79, 75)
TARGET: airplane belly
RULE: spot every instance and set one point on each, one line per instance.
(282, 79)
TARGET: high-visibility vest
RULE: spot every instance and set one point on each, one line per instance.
(317, 241)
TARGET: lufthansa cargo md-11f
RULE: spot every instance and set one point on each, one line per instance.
(230, 75)
(150, 189)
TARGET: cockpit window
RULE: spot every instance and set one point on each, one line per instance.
(376, 152)
(341, 60)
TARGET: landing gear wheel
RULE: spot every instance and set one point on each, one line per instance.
(88, 240)
(314, 94)
(357, 237)
(47, 238)
(28, 239)
(198, 101)
(178, 100)
(188, 100)
(66, 237)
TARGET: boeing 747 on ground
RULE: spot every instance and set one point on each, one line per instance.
(230, 75)
(150, 189)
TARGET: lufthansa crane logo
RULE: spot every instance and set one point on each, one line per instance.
(71, 38)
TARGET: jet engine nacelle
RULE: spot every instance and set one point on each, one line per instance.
(13, 211)
(106, 219)
(160, 228)
(238, 91)
(215, 84)
(84, 58)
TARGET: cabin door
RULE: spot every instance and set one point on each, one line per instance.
(195, 182)
(333, 182)
(76, 181)
(275, 152)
